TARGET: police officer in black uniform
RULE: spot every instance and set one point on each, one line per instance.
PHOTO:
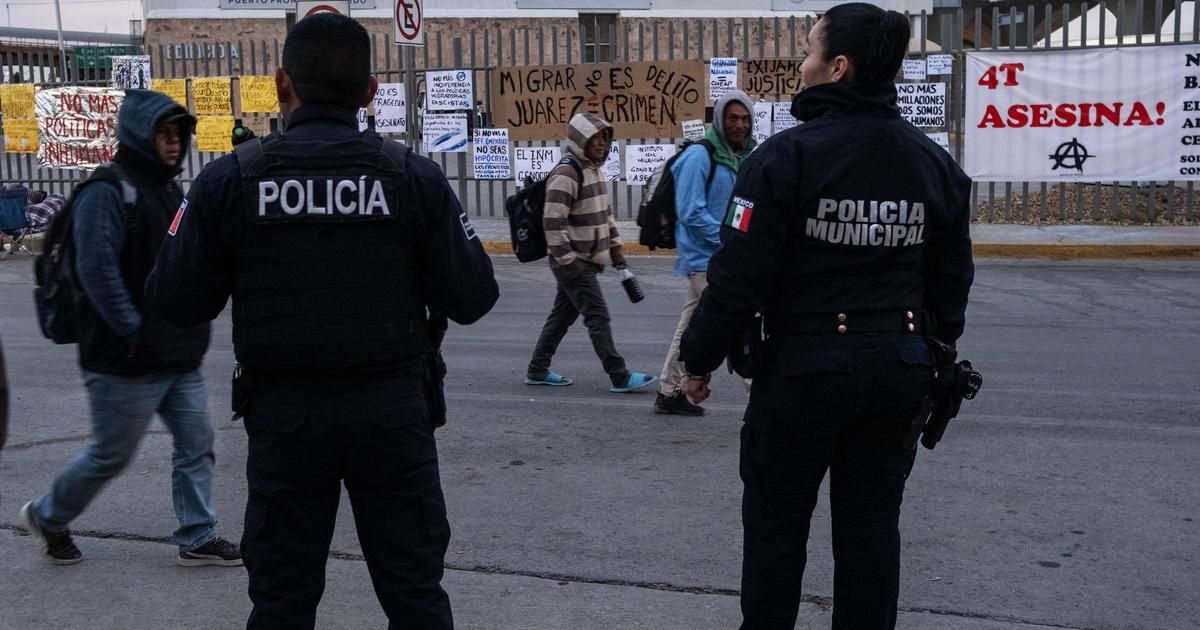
(849, 234)
(337, 247)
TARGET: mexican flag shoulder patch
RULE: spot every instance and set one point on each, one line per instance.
(740, 211)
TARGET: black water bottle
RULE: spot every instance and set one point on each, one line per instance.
(632, 288)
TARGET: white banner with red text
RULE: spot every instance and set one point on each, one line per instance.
(1111, 114)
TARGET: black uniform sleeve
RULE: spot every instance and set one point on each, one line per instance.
(949, 268)
(743, 272)
(457, 281)
(193, 275)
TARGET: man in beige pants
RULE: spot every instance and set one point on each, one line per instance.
(704, 176)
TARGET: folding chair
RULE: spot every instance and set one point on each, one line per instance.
(13, 222)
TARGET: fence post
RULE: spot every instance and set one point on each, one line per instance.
(462, 157)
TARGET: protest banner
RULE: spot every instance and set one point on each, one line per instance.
(258, 94)
(914, 70)
(445, 133)
(175, 88)
(491, 154)
(693, 129)
(449, 90)
(1117, 114)
(16, 101)
(77, 126)
(363, 123)
(640, 99)
(937, 65)
(641, 160)
(922, 104)
(534, 163)
(130, 72)
(20, 124)
(942, 139)
(762, 120)
(782, 117)
(771, 78)
(722, 77)
(211, 95)
(214, 133)
(20, 135)
(391, 110)
(612, 166)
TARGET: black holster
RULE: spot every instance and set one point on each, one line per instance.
(434, 382)
(243, 387)
(953, 382)
(747, 349)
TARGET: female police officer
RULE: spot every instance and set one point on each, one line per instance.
(849, 234)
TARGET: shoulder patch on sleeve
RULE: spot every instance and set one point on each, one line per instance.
(738, 216)
(468, 229)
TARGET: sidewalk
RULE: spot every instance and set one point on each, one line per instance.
(991, 240)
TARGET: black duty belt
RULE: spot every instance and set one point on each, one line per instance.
(913, 321)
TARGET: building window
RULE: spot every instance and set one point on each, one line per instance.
(599, 36)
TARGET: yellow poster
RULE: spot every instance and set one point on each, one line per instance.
(214, 133)
(258, 94)
(175, 88)
(16, 100)
(211, 95)
(20, 136)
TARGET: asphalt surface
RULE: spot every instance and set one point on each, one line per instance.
(1064, 497)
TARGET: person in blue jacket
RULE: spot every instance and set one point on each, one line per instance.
(344, 254)
(702, 188)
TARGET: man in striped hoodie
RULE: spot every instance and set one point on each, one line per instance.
(582, 237)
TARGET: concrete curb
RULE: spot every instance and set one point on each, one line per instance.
(1098, 251)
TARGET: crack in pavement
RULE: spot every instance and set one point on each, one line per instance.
(818, 600)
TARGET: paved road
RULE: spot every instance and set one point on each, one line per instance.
(1065, 497)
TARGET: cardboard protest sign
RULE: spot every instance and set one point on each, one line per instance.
(77, 126)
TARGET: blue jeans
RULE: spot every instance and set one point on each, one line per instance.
(122, 408)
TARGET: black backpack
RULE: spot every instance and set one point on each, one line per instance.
(656, 216)
(57, 295)
(524, 210)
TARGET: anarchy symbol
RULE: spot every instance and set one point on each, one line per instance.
(1070, 155)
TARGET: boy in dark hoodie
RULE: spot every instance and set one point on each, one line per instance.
(134, 363)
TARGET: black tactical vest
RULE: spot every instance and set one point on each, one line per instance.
(328, 263)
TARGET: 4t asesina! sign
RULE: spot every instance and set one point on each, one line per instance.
(1116, 114)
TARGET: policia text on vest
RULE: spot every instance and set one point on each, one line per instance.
(319, 195)
(868, 222)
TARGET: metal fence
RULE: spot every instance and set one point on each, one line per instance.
(481, 51)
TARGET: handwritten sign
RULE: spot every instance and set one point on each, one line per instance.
(641, 160)
(783, 118)
(693, 129)
(942, 139)
(491, 154)
(175, 88)
(130, 72)
(612, 166)
(214, 133)
(722, 77)
(771, 78)
(445, 133)
(641, 99)
(391, 110)
(258, 94)
(762, 120)
(16, 101)
(211, 95)
(362, 119)
(940, 64)
(20, 135)
(77, 126)
(534, 163)
(922, 104)
(914, 69)
(449, 90)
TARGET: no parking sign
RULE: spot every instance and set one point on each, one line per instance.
(409, 25)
